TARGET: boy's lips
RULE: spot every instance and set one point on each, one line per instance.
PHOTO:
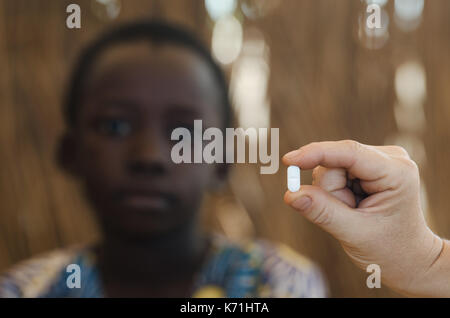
(147, 200)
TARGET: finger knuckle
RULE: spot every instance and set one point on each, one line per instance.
(409, 164)
(352, 145)
(409, 170)
(322, 217)
(402, 151)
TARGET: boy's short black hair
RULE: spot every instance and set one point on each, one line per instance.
(156, 32)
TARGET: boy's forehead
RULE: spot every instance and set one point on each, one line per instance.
(155, 65)
(158, 72)
(121, 53)
(144, 53)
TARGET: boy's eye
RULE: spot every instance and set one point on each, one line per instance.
(172, 127)
(187, 125)
(114, 127)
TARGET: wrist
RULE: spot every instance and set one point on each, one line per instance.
(436, 280)
(429, 275)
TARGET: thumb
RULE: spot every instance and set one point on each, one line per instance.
(323, 209)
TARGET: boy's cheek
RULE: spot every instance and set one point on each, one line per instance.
(98, 152)
(100, 169)
(193, 176)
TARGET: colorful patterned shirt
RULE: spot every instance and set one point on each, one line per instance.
(255, 269)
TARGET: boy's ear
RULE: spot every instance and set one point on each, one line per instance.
(66, 154)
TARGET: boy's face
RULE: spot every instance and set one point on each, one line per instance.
(136, 96)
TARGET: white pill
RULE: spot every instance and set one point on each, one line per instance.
(293, 178)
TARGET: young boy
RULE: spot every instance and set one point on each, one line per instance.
(131, 89)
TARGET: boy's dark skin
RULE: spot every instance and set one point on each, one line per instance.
(120, 147)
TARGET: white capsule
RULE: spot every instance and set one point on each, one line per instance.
(293, 178)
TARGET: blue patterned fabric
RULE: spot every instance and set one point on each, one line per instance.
(256, 269)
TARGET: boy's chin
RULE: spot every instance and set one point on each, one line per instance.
(137, 229)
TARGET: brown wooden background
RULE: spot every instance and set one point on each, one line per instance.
(324, 85)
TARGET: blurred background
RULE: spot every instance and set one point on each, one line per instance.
(308, 67)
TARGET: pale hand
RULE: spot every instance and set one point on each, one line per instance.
(367, 197)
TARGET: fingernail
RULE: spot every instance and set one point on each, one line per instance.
(303, 203)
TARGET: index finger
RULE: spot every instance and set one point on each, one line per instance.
(363, 161)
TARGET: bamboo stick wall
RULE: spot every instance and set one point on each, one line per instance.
(324, 85)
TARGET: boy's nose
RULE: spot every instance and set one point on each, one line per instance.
(149, 155)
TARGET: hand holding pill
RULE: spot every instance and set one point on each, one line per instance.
(377, 221)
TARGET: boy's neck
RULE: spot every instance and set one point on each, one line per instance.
(172, 256)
